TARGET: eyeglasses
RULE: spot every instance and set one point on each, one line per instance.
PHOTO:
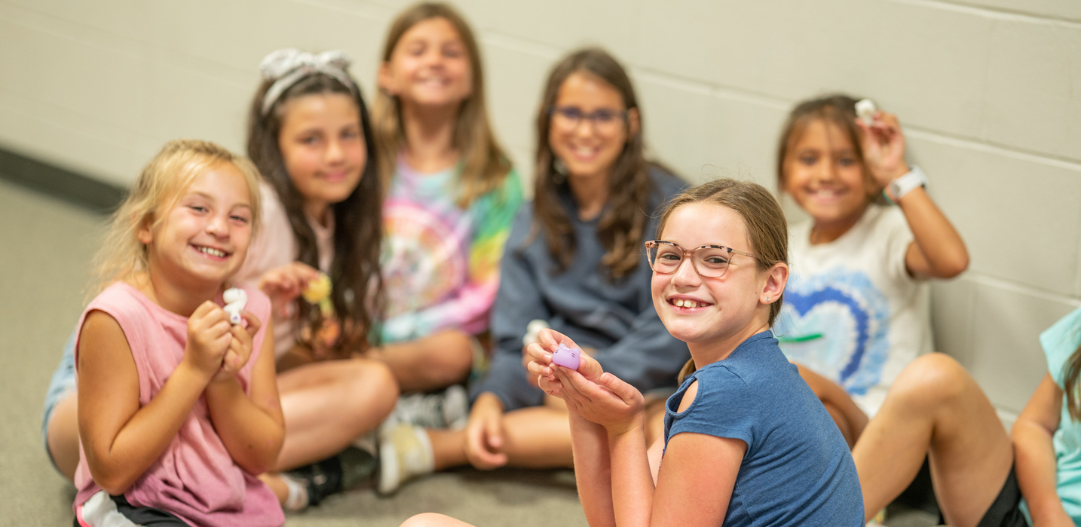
(605, 121)
(709, 261)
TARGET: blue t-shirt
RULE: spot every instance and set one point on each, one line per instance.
(797, 469)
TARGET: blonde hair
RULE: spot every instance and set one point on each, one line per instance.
(159, 186)
(483, 165)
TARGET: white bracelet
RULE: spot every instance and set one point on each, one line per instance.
(907, 183)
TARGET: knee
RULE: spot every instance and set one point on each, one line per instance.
(372, 385)
(935, 378)
(427, 519)
(451, 355)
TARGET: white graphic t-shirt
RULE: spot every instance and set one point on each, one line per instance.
(851, 311)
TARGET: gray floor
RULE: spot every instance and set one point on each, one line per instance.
(47, 246)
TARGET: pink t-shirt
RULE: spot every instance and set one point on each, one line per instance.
(195, 478)
(275, 246)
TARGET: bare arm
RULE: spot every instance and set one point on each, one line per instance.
(592, 471)
(699, 471)
(937, 250)
(1035, 456)
(632, 481)
(122, 440)
(696, 480)
(589, 440)
(694, 485)
(484, 433)
(250, 426)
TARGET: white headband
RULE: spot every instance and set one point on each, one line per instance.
(288, 66)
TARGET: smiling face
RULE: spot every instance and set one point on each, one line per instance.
(202, 239)
(826, 178)
(707, 311)
(589, 149)
(429, 66)
(322, 147)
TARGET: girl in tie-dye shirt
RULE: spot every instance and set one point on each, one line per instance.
(452, 195)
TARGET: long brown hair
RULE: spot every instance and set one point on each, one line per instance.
(484, 165)
(156, 190)
(621, 227)
(357, 294)
(1070, 379)
(765, 221)
(838, 110)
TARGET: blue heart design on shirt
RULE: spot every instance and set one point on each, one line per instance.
(836, 323)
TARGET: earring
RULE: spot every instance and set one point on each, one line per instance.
(768, 298)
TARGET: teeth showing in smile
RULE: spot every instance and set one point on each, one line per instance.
(679, 302)
(212, 252)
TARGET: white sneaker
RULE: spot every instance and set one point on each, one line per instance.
(449, 409)
(405, 452)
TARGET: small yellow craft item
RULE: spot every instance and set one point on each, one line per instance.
(329, 332)
(318, 292)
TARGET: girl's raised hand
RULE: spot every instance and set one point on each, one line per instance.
(240, 347)
(284, 284)
(607, 401)
(883, 147)
(209, 338)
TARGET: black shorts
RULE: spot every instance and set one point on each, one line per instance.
(148, 516)
(1005, 511)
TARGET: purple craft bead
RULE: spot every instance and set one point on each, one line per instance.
(566, 357)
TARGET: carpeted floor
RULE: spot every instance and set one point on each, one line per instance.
(45, 260)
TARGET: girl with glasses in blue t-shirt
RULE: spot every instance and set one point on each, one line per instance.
(746, 442)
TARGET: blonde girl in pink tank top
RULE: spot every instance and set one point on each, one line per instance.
(178, 409)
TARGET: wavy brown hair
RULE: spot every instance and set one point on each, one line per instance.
(1070, 379)
(765, 221)
(836, 109)
(357, 294)
(156, 190)
(622, 226)
(484, 165)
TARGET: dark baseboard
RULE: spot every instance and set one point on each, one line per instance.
(77, 189)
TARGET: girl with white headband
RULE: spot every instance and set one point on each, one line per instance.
(309, 135)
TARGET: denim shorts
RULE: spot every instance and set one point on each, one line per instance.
(61, 386)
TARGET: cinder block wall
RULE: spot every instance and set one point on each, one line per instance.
(989, 93)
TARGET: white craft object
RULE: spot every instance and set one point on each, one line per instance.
(532, 330)
(865, 110)
(235, 299)
(100, 510)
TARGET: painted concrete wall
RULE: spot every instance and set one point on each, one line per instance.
(989, 92)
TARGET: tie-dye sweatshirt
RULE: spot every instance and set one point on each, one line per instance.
(441, 262)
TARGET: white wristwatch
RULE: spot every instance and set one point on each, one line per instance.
(907, 183)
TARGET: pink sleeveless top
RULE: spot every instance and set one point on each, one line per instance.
(195, 478)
